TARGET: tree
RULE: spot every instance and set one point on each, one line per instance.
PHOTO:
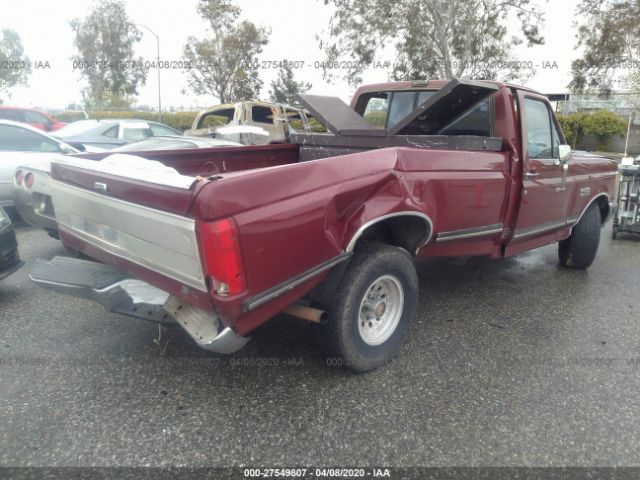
(14, 64)
(610, 38)
(602, 124)
(225, 64)
(284, 89)
(105, 41)
(435, 38)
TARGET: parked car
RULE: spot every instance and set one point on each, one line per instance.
(327, 231)
(36, 119)
(101, 135)
(9, 256)
(175, 143)
(21, 144)
(32, 199)
(272, 118)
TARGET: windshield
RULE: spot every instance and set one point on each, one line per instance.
(76, 128)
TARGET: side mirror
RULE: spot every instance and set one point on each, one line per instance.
(564, 152)
(66, 149)
(78, 146)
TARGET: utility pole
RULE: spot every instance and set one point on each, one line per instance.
(626, 143)
(157, 66)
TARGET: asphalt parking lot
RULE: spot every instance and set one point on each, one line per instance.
(512, 362)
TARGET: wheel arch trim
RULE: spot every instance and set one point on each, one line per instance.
(423, 216)
(594, 199)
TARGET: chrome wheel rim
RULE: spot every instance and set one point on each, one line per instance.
(380, 310)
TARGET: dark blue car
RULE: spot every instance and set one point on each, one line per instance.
(100, 135)
(9, 257)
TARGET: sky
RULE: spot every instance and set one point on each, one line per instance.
(43, 26)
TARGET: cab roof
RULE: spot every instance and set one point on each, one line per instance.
(425, 85)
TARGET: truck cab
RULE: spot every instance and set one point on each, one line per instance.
(549, 174)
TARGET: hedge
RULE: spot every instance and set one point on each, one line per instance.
(376, 118)
(602, 123)
(178, 120)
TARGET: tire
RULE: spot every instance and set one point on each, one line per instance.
(376, 274)
(579, 250)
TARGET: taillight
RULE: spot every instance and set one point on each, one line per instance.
(19, 177)
(222, 260)
(28, 180)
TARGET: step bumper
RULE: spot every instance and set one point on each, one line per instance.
(114, 289)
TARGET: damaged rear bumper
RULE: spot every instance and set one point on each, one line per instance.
(116, 291)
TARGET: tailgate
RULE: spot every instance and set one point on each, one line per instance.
(134, 214)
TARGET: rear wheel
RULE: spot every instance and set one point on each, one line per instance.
(579, 250)
(373, 307)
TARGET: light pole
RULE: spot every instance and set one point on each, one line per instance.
(157, 66)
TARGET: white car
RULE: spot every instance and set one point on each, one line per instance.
(21, 144)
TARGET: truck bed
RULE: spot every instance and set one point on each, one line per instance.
(306, 209)
(211, 161)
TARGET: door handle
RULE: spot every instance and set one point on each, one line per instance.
(531, 174)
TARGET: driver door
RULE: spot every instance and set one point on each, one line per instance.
(544, 204)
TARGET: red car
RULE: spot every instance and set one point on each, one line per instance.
(32, 117)
(326, 228)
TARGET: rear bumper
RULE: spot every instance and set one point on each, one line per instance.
(116, 291)
(23, 203)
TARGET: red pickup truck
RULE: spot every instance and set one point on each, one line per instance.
(325, 227)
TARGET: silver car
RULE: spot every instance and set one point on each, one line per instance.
(102, 135)
(21, 144)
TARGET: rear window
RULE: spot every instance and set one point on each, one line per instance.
(373, 107)
(385, 109)
(111, 132)
(294, 117)
(477, 122)
(136, 133)
(216, 118)
(262, 114)
(402, 104)
(159, 130)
